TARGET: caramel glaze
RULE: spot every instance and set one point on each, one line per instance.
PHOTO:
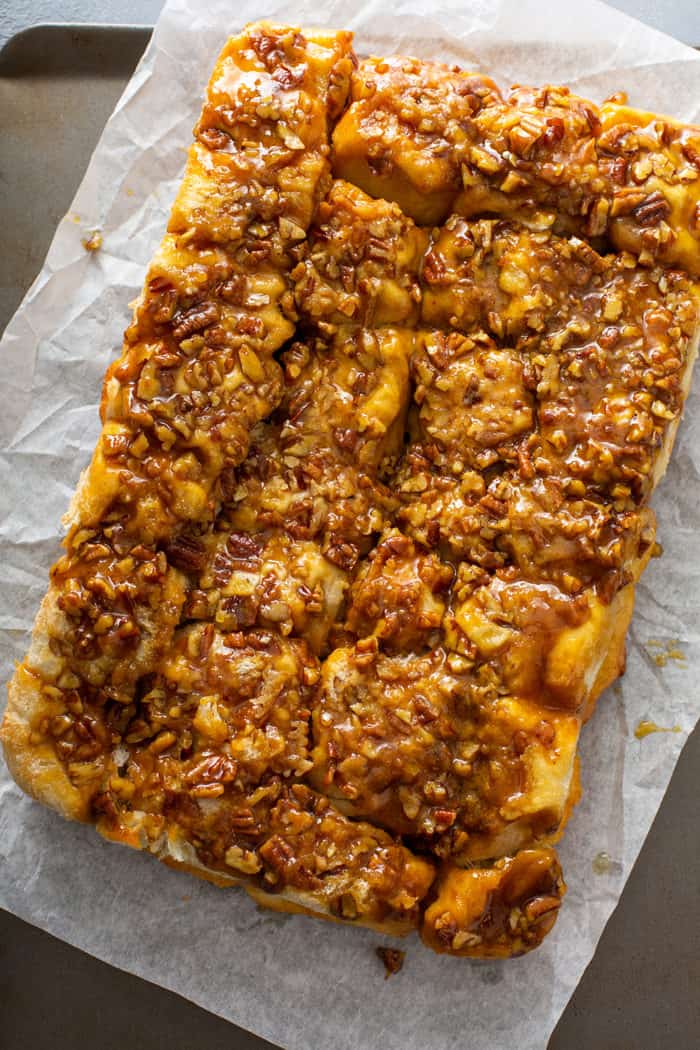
(332, 607)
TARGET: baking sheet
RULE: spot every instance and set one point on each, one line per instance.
(45, 72)
(301, 983)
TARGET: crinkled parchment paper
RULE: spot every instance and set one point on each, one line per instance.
(302, 983)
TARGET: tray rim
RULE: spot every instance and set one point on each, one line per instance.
(16, 46)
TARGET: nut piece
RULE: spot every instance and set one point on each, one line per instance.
(245, 861)
(393, 960)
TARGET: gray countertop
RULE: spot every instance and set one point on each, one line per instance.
(680, 18)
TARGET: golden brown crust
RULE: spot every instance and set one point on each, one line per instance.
(287, 904)
(498, 911)
(360, 263)
(612, 655)
(655, 211)
(259, 163)
(31, 759)
(541, 154)
(425, 747)
(357, 549)
(405, 132)
(304, 853)
(349, 399)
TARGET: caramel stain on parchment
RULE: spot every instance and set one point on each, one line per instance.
(662, 651)
(646, 728)
(93, 243)
(601, 863)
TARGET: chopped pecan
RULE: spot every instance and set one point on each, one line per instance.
(392, 958)
(213, 768)
(289, 78)
(618, 170)
(243, 820)
(537, 908)
(267, 47)
(196, 606)
(434, 269)
(252, 326)
(343, 554)
(186, 553)
(238, 611)
(243, 545)
(234, 290)
(692, 154)
(554, 130)
(215, 138)
(432, 533)
(194, 320)
(524, 135)
(346, 439)
(652, 210)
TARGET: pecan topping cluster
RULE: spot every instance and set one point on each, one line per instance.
(357, 548)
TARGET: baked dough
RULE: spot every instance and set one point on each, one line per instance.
(356, 551)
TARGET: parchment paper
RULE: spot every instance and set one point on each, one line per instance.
(302, 983)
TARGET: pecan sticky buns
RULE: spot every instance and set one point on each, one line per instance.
(357, 548)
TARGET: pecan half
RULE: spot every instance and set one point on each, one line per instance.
(653, 210)
(200, 316)
(186, 553)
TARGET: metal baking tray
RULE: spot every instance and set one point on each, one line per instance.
(58, 86)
